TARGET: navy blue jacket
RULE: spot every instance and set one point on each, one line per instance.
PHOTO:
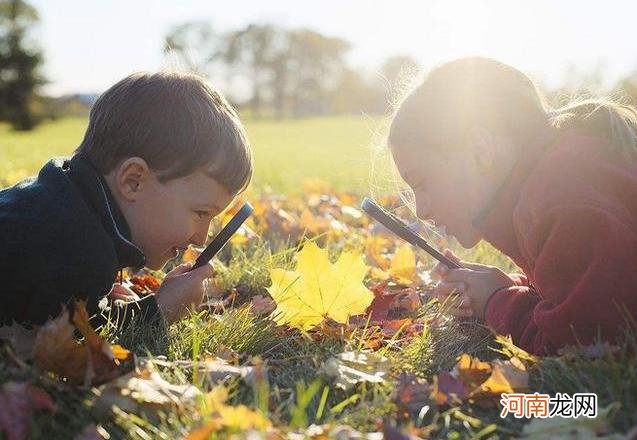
(62, 236)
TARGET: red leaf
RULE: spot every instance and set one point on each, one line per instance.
(448, 389)
(390, 328)
(379, 308)
(18, 401)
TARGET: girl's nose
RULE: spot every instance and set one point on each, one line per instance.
(423, 207)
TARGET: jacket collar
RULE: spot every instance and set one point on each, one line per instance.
(93, 188)
(495, 221)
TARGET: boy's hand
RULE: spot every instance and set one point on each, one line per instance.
(122, 293)
(182, 289)
(473, 283)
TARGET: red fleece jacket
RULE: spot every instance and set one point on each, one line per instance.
(567, 215)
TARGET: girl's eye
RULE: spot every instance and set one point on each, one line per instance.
(201, 214)
(421, 185)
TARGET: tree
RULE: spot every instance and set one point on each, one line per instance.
(196, 46)
(258, 51)
(316, 63)
(19, 63)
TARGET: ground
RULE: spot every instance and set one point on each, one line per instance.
(310, 176)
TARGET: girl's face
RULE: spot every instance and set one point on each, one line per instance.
(452, 188)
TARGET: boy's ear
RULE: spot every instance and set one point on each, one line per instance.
(482, 146)
(132, 177)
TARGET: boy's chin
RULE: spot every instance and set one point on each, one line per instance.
(156, 263)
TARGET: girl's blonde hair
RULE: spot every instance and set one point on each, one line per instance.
(480, 91)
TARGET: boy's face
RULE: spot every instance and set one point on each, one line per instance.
(166, 217)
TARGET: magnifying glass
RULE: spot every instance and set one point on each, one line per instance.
(224, 235)
(398, 227)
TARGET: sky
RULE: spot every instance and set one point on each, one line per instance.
(90, 44)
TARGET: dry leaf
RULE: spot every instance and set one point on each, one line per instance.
(224, 416)
(18, 402)
(262, 305)
(145, 393)
(21, 339)
(403, 265)
(448, 389)
(379, 308)
(350, 368)
(412, 393)
(56, 350)
(473, 371)
(581, 428)
(318, 289)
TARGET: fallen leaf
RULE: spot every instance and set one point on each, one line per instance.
(376, 246)
(262, 305)
(581, 428)
(388, 300)
(318, 289)
(379, 307)
(56, 350)
(144, 284)
(412, 394)
(473, 371)
(224, 416)
(448, 389)
(18, 402)
(391, 327)
(21, 339)
(219, 370)
(145, 393)
(403, 265)
(350, 368)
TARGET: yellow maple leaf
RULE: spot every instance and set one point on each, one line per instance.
(401, 268)
(318, 289)
(403, 265)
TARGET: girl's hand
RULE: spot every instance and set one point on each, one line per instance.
(473, 284)
(181, 290)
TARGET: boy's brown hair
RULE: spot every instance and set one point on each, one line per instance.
(176, 122)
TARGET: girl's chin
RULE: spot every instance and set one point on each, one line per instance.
(467, 241)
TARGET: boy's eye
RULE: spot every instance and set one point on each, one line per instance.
(202, 214)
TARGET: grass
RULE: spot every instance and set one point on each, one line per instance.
(336, 149)
(297, 394)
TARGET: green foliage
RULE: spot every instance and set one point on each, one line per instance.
(19, 63)
(334, 148)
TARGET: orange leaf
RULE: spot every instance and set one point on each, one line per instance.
(56, 350)
(472, 370)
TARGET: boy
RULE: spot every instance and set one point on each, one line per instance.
(162, 155)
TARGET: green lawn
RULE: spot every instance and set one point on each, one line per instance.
(335, 149)
(298, 392)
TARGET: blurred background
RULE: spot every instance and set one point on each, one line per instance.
(312, 80)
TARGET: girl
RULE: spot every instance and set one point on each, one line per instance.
(555, 190)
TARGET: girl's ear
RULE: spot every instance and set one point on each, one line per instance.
(482, 147)
(132, 177)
